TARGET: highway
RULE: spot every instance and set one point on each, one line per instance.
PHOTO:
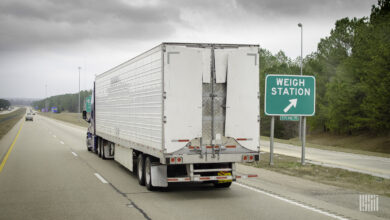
(7, 112)
(49, 174)
(376, 166)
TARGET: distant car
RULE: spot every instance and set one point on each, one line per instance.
(33, 113)
(29, 117)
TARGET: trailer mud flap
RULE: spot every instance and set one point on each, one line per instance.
(159, 176)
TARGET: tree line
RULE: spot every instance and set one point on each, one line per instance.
(4, 103)
(352, 70)
(66, 102)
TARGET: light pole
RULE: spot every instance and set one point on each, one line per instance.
(79, 89)
(46, 100)
(302, 123)
(300, 25)
(300, 117)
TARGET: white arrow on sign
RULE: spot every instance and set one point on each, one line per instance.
(293, 102)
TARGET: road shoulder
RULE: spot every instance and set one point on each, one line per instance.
(336, 200)
(7, 139)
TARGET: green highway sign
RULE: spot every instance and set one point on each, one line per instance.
(88, 104)
(289, 95)
(289, 118)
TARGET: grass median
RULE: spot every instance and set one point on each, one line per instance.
(331, 176)
(73, 118)
(366, 145)
(8, 121)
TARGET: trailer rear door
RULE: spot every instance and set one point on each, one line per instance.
(183, 67)
(242, 103)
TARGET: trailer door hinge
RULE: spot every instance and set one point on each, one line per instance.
(165, 119)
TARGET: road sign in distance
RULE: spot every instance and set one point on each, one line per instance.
(88, 104)
(289, 95)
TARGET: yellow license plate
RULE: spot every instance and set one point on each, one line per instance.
(222, 173)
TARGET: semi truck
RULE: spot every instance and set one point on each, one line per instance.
(180, 112)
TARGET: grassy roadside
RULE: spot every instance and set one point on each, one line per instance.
(8, 121)
(348, 145)
(73, 118)
(331, 176)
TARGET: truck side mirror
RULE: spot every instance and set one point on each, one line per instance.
(84, 115)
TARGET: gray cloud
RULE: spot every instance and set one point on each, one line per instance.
(30, 24)
(45, 41)
(283, 8)
(33, 23)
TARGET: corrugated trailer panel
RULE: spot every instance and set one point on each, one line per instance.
(129, 101)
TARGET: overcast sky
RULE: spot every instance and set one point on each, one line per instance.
(43, 42)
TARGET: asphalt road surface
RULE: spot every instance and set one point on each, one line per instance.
(49, 174)
(376, 166)
(7, 112)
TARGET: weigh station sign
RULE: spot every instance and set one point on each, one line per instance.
(290, 95)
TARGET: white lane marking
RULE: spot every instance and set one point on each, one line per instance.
(62, 142)
(100, 178)
(74, 154)
(54, 136)
(292, 202)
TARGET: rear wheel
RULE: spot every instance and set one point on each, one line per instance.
(99, 148)
(141, 170)
(103, 155)
(148, 174)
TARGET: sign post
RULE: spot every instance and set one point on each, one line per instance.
(291, 96)
(88, 104)
(303, 140)
(271, 144)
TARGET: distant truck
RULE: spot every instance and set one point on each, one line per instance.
(180, 112)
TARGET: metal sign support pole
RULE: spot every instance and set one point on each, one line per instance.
(271, 144)
(300, 128)
(303, 140)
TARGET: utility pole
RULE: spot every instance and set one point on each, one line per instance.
(79, 89)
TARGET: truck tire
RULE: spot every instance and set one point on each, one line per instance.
(148, 174)
(100, 146)
(222, 185)
(141, 170)
(102, 152)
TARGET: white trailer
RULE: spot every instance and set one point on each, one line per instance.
(180, 112)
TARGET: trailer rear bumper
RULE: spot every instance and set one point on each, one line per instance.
(217, 175)
(210, 158)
